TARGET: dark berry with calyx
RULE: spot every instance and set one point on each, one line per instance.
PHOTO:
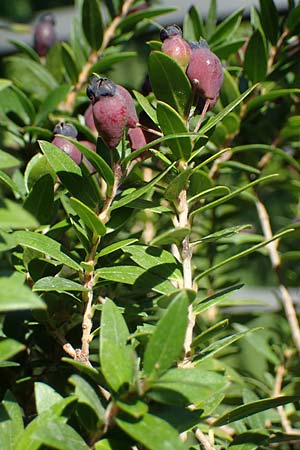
(67, 129)
(205, 71)
(44, 34)
(175, 46)
(113, 109)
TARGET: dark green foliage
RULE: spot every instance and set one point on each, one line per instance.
(124, 322)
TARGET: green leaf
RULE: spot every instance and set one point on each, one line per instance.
(15, 295)
(256, 63)
(166, 343)
(135, 408)
(194, 384)
(225, 49)
(9, 348)
(226, 28)
(171, 123)
(117, 358)
(254, 407)
(45, 244)
(114, 247)
(270, 20)
(231, 195)
(136, 276)
(88, 217)
(241, 254)
(138, 192)
(87, 395)
(10, 183)
(113, 444)
(134, 18)
(52, 433)
(220, 234)
(220, 345)
(106, 62)
(229, 91)
(274, 94)
(8, 161)
(69, 62)
(96, 160)
(11, 424)
(70, 174)
(177, 184)
(215, 300)
(26, 49)
(193, 28)
(146, 105)
(43, 83)
(155, 259)
(4, 83)
(92, 23)
(174, 236)
(169, 83)
(220, 116)
(40, 201)
(37, 168)
(45, 397)
(152, 432)
(211, 19)
(52, 101)
(13, 100)
(57, 284)
(293, 19)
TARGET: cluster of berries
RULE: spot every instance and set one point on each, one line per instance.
(203, 68)
(112, 109)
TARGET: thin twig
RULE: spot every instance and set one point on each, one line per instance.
(276, 393)
(275, 261)
(203, 440)
(186, 258)
(202, 115)
(104, 214)
(108, 35)
(67, 347)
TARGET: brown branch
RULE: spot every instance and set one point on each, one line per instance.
(186, 258)
(276, 393)
(60, 338)
(108, 35)
(203, 440)
(275, 261)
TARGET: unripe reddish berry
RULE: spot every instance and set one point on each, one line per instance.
(205, 71)
(113, 109)
(136, 138)
(89, 119)
(67, 129)
(92, 146)
(175, 46)
(44, 34)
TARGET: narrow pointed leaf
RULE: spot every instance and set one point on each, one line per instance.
(88, 217)
(57, 284)
(92, 23)
(46, 245)
(170, 84)
(171, 123)
(166, 343)
(256, 64)
(254, 407)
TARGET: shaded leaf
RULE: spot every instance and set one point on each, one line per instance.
(166, 343)
(57, 284)
(92, 23)
(15, 295)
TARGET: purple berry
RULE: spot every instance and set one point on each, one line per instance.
(205, 71)
(67, 129)
(113, 109)
(44, 34)
(175, 46)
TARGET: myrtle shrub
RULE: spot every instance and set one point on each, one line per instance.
(131, 215)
